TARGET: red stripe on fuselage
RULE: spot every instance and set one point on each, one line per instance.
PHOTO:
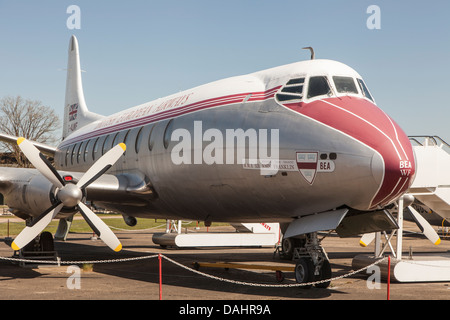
(175, 112)
(368, 124)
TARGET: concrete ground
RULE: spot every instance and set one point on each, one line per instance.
(139, 280)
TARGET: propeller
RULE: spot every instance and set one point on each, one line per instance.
(366, 239)
(68, 195)
(423, 225)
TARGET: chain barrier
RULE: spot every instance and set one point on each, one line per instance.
(273, 285)
(193, 270)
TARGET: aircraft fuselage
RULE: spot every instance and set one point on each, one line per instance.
(268, 146)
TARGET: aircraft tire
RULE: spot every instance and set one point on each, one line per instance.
(46, 242)
(287, 249)
(304, 271)
(325, 273)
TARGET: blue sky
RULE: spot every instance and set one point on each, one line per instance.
(137, 51)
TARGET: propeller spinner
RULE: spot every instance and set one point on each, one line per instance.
(68, 195)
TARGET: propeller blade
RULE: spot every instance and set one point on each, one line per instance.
(424, 226)
(102, 165)
(40, 162)
(100, 228)
(39, 224)
(366, 239)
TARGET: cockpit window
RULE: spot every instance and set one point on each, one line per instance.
(364, 90)
(345, 85)
(293, 90)
(318, 86)
(296, 81)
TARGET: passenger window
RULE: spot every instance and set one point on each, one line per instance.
(125, 140)
(86, 150)
(151, 141)
(365, 90)
(95, 149)
(168, 134)
(137, 145)
(318, 86)
(67, 156)
(345, 84)
(115, 140)
(106, 144)
(80, 148)
(73, 154)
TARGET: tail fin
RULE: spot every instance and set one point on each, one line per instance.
(76, 113)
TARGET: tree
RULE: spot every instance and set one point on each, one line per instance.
(29, 119)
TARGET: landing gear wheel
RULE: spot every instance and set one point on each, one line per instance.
(304, 271)
(287, 249)
(288, 246)
(46, 242)
(33, 246)
(325, 273)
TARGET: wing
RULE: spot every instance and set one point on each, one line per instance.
(46, 149)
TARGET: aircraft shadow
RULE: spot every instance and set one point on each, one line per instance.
(8, 271)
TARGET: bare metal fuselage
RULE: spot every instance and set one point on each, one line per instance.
(333, 148)
(228, 192)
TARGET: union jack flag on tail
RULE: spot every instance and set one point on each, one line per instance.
(73, 110)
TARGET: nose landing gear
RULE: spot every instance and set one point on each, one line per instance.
(312, 262)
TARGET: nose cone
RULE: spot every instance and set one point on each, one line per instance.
(399, 169)
(392, 164)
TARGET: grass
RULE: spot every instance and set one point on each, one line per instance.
(80, 226)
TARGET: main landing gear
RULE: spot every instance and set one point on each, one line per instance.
(41, 244)
(312, 262)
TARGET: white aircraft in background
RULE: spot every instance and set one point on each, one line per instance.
(340, 160)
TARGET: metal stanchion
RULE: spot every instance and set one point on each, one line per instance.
(389, 279)
(160, 276)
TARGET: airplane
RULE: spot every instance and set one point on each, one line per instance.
(303, 144)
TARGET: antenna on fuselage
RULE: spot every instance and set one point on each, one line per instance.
(312, 52)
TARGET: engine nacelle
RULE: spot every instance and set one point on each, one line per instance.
(30, 196)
